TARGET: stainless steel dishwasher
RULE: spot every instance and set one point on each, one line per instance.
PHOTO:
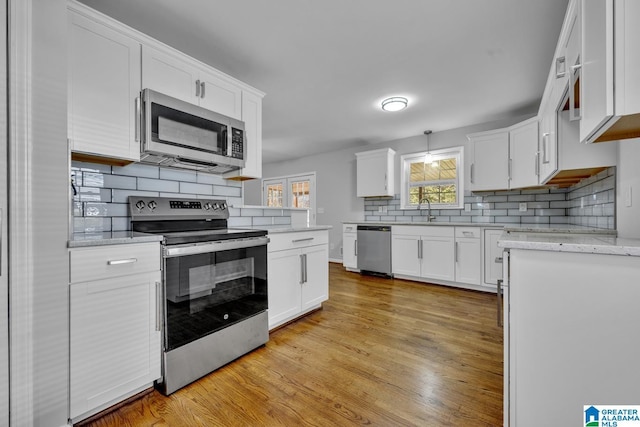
(374, 249)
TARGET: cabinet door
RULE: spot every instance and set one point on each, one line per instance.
(220, 96)
(284, 285)
(104, 82)
(350, 250)
(404, 255)
(548, 145)
(315, 289)
(523, 149)
(170, 75)
(114, 339)
(492, 257)
(438, 258)
(467, 259)
(490, 167)
(252, 118)
(596, 75)
(375, 173)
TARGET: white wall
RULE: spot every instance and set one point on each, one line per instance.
(628, 175)
(336, 175)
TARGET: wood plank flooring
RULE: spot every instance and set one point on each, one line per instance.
(381, 352)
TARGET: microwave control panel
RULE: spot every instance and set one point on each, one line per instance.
(237, 143)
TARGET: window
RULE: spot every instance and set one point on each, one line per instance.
(294, 191)
(436, 177)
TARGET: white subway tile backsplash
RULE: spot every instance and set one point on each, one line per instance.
(89, 194)
(219, 190)
(138, 169)
(204, 189)
(262, 220)
(282, 220)
(122, 196)
(91, 167)
(251, 212)
(178, 175)
(158, 185)
(122, 182)
(102, 200)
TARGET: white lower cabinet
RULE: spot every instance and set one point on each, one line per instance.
(350, 246)
(468, 255)
(425, 252)
(298, 274)
(492, 258)
(115, 338)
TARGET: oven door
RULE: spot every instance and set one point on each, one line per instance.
(212, 285)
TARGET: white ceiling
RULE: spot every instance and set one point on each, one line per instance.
(326, 65)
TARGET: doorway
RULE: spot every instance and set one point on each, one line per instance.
(292, 191)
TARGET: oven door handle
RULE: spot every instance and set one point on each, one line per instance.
(215, 246)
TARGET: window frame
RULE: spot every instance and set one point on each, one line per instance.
(445, 153)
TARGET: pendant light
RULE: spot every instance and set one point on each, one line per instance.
(428, 158)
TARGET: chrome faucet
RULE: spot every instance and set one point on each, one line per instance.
(429, 216)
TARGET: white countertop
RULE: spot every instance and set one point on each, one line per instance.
(272, 229)
(570, 242)
(79, 240)
(537, 228)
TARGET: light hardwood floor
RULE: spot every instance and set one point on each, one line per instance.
(381, 352)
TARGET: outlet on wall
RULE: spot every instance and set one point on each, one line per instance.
(523, 207)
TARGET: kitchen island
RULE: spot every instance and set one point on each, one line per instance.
(570, 325)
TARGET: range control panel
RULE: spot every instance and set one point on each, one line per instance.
(177, 208)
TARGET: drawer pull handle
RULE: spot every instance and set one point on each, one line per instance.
(302, 240)
(467, 233)
(122, 261)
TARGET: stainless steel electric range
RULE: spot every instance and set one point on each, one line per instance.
(215, 285)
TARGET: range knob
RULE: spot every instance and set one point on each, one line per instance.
(152, 205)
(140, 205)
(216, 206)
(207, 206)
(223, 206)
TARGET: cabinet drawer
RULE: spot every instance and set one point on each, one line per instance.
(282, 241)
(423, 230)
(349, 228)
(473, 232)
(102, 262)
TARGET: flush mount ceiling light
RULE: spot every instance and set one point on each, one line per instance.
(395, 103)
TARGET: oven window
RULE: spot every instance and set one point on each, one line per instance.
(207, 292)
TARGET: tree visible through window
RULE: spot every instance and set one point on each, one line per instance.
(434, 176)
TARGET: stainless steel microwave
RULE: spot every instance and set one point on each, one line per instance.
(179, 134)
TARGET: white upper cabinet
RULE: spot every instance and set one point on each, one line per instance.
(523, 154)
(505, 158)
(375, 173)
(610, 65)
(103, 85)
(252, 118)
(489, 168)
(176, 76)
